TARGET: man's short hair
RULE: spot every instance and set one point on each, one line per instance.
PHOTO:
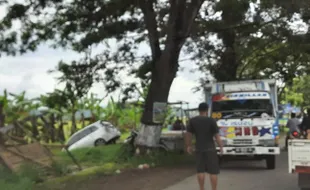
(203, 107)
(293, 115)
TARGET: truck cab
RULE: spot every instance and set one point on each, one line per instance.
(246, 113)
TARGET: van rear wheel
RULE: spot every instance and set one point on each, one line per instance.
(100, 142)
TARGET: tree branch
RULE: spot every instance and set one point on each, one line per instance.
(151, 26)
(190, 15)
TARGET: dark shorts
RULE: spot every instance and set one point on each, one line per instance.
(207, 162)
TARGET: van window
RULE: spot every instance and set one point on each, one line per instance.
(74, 139)
(81, 135)
(93, 128)
(85, 132)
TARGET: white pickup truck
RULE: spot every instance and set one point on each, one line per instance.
(246, 115)
(299, 161)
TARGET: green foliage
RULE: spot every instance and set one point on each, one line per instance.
(60, 169)
(124, 116)
(10, 181)
(253, 41)
(20, 184)
(32, 172)
(298, 93)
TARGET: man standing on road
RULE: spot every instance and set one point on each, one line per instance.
(205, 129)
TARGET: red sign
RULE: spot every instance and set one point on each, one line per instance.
(240, 131)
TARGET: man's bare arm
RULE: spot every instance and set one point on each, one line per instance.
(219, 140)
(188, 139)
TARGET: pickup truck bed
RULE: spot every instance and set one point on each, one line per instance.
(299, 161)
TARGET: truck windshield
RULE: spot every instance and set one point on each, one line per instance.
(253, 107)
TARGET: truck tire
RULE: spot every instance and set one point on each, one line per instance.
(271, 162)
(304, 181)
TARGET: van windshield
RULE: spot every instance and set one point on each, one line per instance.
(253, 107)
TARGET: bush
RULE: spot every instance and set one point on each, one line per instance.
(21, 184)
(59, 169)
(32, 172)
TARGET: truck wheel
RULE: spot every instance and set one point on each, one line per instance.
(271, 162)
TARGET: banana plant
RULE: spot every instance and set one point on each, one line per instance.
(92, 103)
(58, 105)
(3, 107)
(19, 107)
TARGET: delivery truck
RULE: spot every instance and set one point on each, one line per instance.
(246, 113)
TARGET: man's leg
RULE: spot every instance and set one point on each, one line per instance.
(213, 180)
(201, 180)
(200, 161)
(213, 168)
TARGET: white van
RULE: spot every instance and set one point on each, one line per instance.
(96, 134)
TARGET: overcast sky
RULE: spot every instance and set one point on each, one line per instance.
(29, 72)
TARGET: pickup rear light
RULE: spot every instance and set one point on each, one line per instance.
(302, 169)
(295, 133)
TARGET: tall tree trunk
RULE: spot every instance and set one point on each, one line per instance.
(165, 65)
(61, 135)
(73, 120)
(83, 119)
(46, 129)
(34, 123)
(52, 128)
(227, 69)
(2, 122)
(162, 78)
(2, 116)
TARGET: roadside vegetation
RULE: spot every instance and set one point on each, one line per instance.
(96, 162)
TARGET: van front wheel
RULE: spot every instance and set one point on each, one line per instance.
(100, 142)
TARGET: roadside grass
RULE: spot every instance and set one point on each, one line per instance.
(24, 179)
(96, 162)
(107, 160)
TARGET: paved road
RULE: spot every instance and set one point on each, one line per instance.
(248, 175)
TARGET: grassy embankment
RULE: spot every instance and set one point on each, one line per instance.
(96, 162)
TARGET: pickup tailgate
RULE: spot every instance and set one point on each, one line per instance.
(299, 156)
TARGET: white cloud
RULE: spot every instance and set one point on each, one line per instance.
(181, 90)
